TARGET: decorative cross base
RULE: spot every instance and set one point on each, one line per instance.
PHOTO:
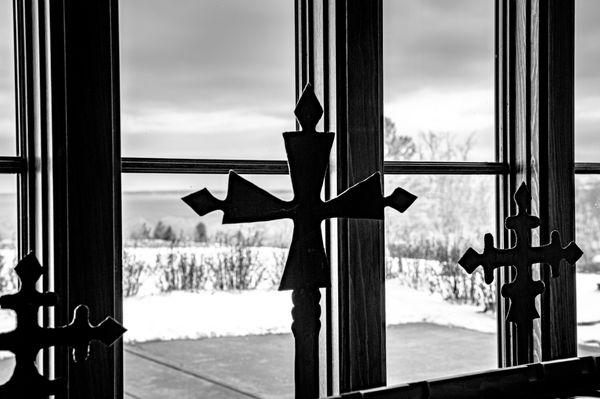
(306, 314)
(307, 268)
(523, 289)
(29, 338)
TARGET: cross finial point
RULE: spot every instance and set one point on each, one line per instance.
(29, 270)
(523, 196)
(308, 109)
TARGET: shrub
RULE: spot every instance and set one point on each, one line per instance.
(140, 231)
(236, 267)
(9, 281)
(186, 273)
(432, 264)
(133, 269)
(275, 274)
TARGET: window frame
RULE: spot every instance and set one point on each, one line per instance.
(534, 139)
(534, 54)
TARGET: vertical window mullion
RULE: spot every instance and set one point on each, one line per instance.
(557, 159)
(85, 222)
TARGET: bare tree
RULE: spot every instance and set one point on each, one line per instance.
(397, 147)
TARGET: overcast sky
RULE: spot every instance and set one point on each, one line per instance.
(215, 78)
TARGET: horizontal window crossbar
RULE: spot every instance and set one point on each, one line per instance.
(202, 166)
(12, 165)
(587, 168)
(223, 166)
(444, 168)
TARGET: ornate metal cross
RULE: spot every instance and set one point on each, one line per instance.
(307, 268)
(29, 338)
(523, 290)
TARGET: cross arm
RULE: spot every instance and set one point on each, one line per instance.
(245, 202)
(366, 201)
(79, 333)
(553, 252)
(490, 259)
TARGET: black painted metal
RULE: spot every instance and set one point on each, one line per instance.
(307, 267)
(523, 290)
(28, 338)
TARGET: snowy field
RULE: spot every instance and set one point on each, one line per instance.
(183, 314)
(211, 314)
(178, 315)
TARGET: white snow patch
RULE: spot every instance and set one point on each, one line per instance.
(181, 315)
(407, 305)
(192, 315)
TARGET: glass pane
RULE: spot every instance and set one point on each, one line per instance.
(438, 60)
(587, 219)
(441, 321)
(207, 79)
(7, 81)
(204, 317)
(587, 81)
(8, 279)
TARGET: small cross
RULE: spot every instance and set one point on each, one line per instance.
(523, 290)
(29, 338)
(306, 269)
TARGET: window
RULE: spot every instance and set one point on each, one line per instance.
(9, 166)
(7, 82)
(587, 123)
(338, 47)
(8, 283)
(439, 112)
(207, 86)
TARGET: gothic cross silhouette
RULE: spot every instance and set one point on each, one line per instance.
(29, 338)
(306, 268)
(523, 290)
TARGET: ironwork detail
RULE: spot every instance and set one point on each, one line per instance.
(28, 338)
(307, 268)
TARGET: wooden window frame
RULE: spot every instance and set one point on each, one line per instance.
(534, 83)
(69, 167)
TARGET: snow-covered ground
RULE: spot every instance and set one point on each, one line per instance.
(588, 308)
(204, 314)
(211, 314)
(174, 315)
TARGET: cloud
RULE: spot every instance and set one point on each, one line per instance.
(440, 44)
(216, 134)
(587, 129)
(215, 78)
(587, 52)
(459, 113)
(207, 55)
(6, 49)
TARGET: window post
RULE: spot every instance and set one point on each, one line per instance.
(86, 220)
(359, 120)
(537, 115)
(556, 169)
